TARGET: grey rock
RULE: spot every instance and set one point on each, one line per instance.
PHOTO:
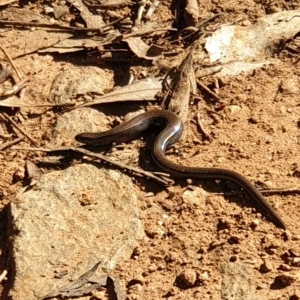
(69, 222)
(74, 122)
(78, 81)
(237, 282)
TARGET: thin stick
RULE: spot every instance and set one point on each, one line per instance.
(200, 124)
(8, 144)
(12, 63)
(19, 128)
(66, 28)
(208, 90)
(3, 3)
(3, 275)
(165, 181)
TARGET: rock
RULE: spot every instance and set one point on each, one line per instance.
(285, 280)
(266, 266)
(52, 232)
(237, 282)
(188, 277)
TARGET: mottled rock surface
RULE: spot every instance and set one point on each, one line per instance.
(70, 221)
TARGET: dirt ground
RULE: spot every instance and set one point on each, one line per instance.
(203, 248)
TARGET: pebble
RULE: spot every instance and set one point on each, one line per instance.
(19, 174)
(285, 267)
(152, 268)
(246, 23)
(171, 256)
(188, 277)
(286, 280)
(294, 252)
(266, 266)
(296, 261)
(203, 276)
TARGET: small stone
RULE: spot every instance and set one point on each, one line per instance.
(234, 109)
(171, 256)
(296, 261)
(290, 86)
(152, 268)
(254, 223)
(266, 266)
(137, 280)
(19, 174)
(246, 23)
(204, 276)
(294, 252)
(274, 9)
(98, 294)
(188, 277)
(233, 258)
(60, 11)
(241, 98)
(261, 286)
(283, 110)
(285, 267)
(136, 288)
(137, 251)
(234, 239)
(285, 280)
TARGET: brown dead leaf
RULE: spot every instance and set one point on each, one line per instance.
(191, 12)
(34, 173)
(144, 90)
(141, 49)
(25, 42)
(94, 21)
(182, 83)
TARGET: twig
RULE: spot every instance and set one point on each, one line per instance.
(19, 128)
(3, 3)
(108, 98)
(140, 11)
(13, 142)
(56, 26)
(14, 89)
(3, 275)
(208, 90)
(200, 124)
(23, 81)
(5, 73)
(110, 4)
(11, 62)
(165, 181)
(151, 9)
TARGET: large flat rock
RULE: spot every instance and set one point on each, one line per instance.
(70, 221)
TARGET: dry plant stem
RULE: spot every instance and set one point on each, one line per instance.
(151, 9)
(208, 90)
(140, 11)
(3, 275)
(12, 63)
(200, 124)
(7, 118)
(145, 32)
(3, 3)
(112, 4)
(164, 181)
(17, 87)
(8, 144)
(60, 27)
(107, 99)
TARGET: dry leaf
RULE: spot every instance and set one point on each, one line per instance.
(138, 91)
(182, 82)
(141, 49)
